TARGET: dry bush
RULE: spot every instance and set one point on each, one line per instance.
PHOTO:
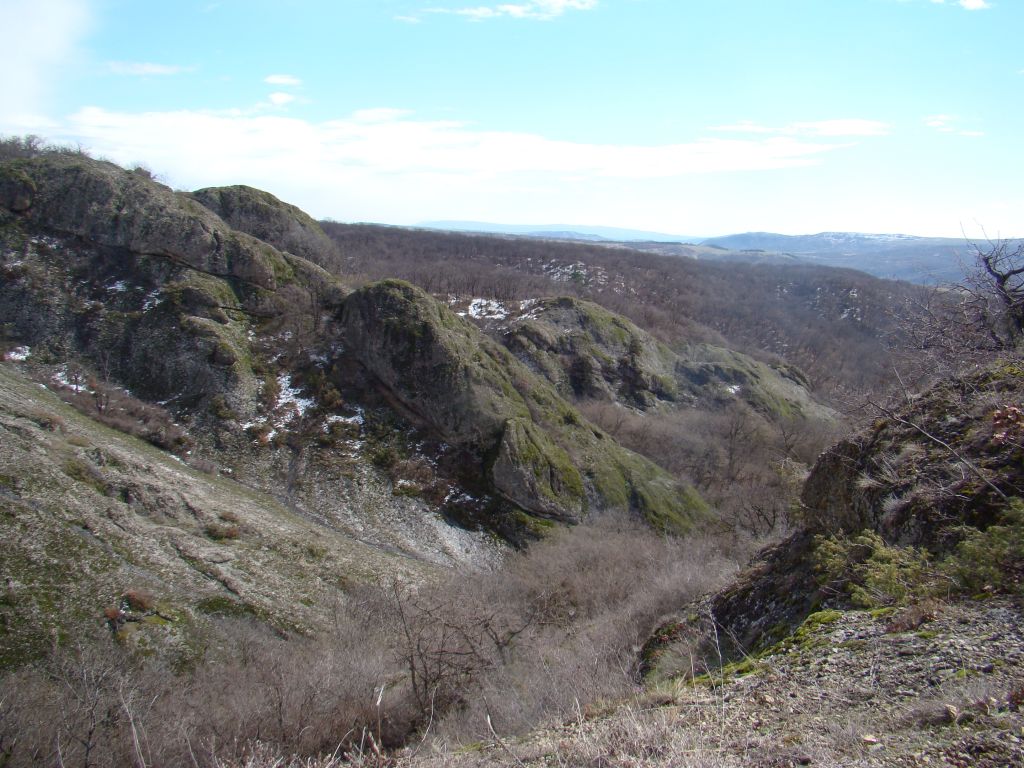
(553, 631)
(583, 603)
(117, 409)
(92, 704)
(748, 467)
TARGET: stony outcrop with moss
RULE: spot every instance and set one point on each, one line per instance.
(262, 215)
(926, 501)
(106, 205)
(149, 289)
(146, 283)
(585, 351)
(538, 451)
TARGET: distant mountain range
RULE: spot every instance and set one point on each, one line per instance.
(560, 231)
(894, 256)
(925, 260)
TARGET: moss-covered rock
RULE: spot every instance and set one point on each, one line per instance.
(585, 351)
(535, 448)
(262, 215)
(110, 206)
(537, 475)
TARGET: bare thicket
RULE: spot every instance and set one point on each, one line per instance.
(749, 467)
(958, 327)
(554, 629)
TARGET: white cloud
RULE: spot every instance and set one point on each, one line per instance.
(949, 124)
(146, 68)
(533, 9)
(42, 38)
(940, 122)
(386, 165)
(279, 98)
(285, 80)
(389, 142)
(820, 128)
(970, 5)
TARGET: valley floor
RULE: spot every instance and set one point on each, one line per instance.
(849, 689)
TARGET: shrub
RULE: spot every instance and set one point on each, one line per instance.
(119, 410)
(992, 559)
(221, 532)
(874, 574)
(871, 572)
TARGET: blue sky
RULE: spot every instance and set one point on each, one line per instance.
(696, 117)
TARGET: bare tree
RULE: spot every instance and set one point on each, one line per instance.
(982, 315)
(994, 293)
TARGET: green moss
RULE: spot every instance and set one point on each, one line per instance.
(731, 671)
(198, 289)
(84, 472)
(991, 559)
(537, 527)
(821, 618)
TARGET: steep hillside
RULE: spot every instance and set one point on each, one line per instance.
(99, 526)
(926, 502)
(886, 632)
(283, 377)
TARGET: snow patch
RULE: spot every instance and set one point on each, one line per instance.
(152, 299)
(488, 309)
(292, 396)
(76, 382)
(359, 418)
(18, 354)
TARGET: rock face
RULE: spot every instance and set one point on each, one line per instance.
(109, 206)
(262, 215)
(948, 458)
(151, 290)
(946, 464)
(539, 452)
(585, 351)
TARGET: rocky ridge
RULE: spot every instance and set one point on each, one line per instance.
(585, 351)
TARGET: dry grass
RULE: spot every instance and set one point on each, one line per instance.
(553, 634)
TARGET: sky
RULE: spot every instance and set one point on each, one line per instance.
(691, 117)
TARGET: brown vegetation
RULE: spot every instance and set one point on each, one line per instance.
(553, 630)
(835, 324)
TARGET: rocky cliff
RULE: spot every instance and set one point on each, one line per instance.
(334, 402)
(585, 351)
(926, 502)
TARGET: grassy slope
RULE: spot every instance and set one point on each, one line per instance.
(87, 513)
